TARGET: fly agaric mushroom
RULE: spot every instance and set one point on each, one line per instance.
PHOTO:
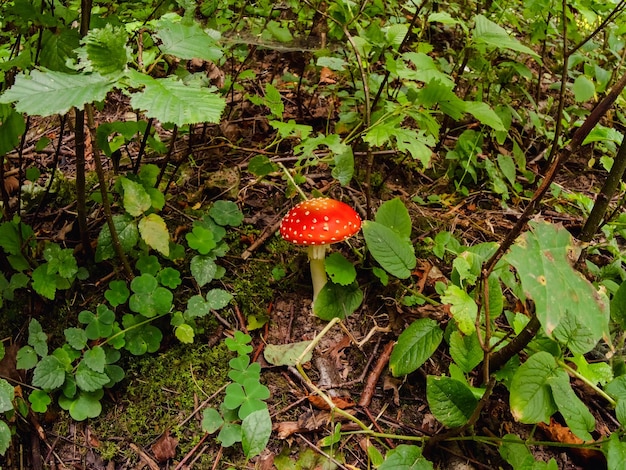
(317, 223)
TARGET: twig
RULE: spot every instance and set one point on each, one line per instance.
(372, 379)
(268, 232)
(192, 451)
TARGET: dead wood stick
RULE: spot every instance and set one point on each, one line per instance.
(372, 380)
(269, 231)
(145, 458)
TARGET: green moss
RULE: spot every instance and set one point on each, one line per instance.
(161, 392)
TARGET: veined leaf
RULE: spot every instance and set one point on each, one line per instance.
(531, 396)
(393, 252)
(491, 34)
(451, 402)
(45, 93)
(415, 345)
(186, 41)
(170, 100)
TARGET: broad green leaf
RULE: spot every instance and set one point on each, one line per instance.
(435, 92)
(186, 41)
(170, 100)
(45, 93)
(88, 379)
(104, 50)
(39, 400)
(278, 32)
(230, 434)
(85, 405)
(339, 269)
(424, 69)
(7, 393)
(226, 213)
(335, 301)
(218, 298)
(203, 269)
(394, 215)
(201, 239)
(286, 354)
(393, 252)
(465, 350)
(584, 89)
(59, 48)
(255, 432)
(405, 457)
(44, 283)
(76, 338)
(568, 306)
(415, 345)
(148, 298)
(516, 453)
(211, 420)
(484, 114)
(26, 358)
(154, 232)
(415, 143)
(261, 165)
(49, 373)
(127, 232)
(140, 338)
(136, 199)
(37, 338)
(185, 333)
(598, 373)
(531, 398)
(95, 358)
(12, 126)
(615, 451)
(462, 307)
(489, 33)
(618, 306)
(576, 414)
(5, 437)
(451, 402)
(343, 169)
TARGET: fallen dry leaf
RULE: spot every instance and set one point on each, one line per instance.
(340, 402)
(556, 432)
(165, 447)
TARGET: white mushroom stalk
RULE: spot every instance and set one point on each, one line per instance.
(317, 223)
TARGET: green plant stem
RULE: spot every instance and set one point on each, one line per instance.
(145, 322)
(81, 187)
(425, 298)
(292, 181)
(115, 239)
(597, 389)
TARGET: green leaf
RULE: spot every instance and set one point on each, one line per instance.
(484, 113)
(5, 437)
(451, 402)
(462, 307)
(286, 354)
(230, 434)
(85, 405)
(185, 333)
(335, 301)
(489, 33)
(170, 100)
(394, 215)
(127, 232)
(226, 213)
(140, 339)
(7, 393)
(88, 379)
(394, 253)
(26, 358)
(39, 401)
(261, 166)
(117, 293)
(517, 454)
(211, 420)
(405, 457)
(49, 373)
(465, 350)
(279, 32)
(584, 89)
(203, 269)
(201, 239)
(340, 270)
(186, 41)
(615, 452)
(197, 307)
(415, 345)
(154, 232)
(149, 299)
(531, 398)
(46, 93)
(568, 306)
(136, 199)
(343, 166)
(255, 432)
(44, 283)
(12, 126)
(76, 338)
(37, 338)
(218, 298)
(577, 416)
(105, 51)
(95, 358)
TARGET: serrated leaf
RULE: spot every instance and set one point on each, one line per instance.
(136, 199)
(186, 41)
(88, 379)
(343, 168)
(484, 114)
(203, 269)
(5, 437)
(394, 253)
(451, 402)
(226, 213)
(95, 358)
(218, 298)
(415, 345)
(105, 51)
(44, 283)
(286, 354)
(45, 93)
(7, 393)
(170, 100)
(568, 306)
(49, 373)
(256, 429)
(531, 398)
(76, 338)
(127, 233)
(154, 232)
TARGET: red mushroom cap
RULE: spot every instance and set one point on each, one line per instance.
(319, 221)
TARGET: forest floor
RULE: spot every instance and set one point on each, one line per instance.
(156, 411)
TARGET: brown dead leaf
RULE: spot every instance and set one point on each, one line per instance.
(391, 383)
(556, 432)
(340, 402)
(11, 184)
(326, 76)
(165, 447)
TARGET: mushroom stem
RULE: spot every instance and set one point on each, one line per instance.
(317, 255)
